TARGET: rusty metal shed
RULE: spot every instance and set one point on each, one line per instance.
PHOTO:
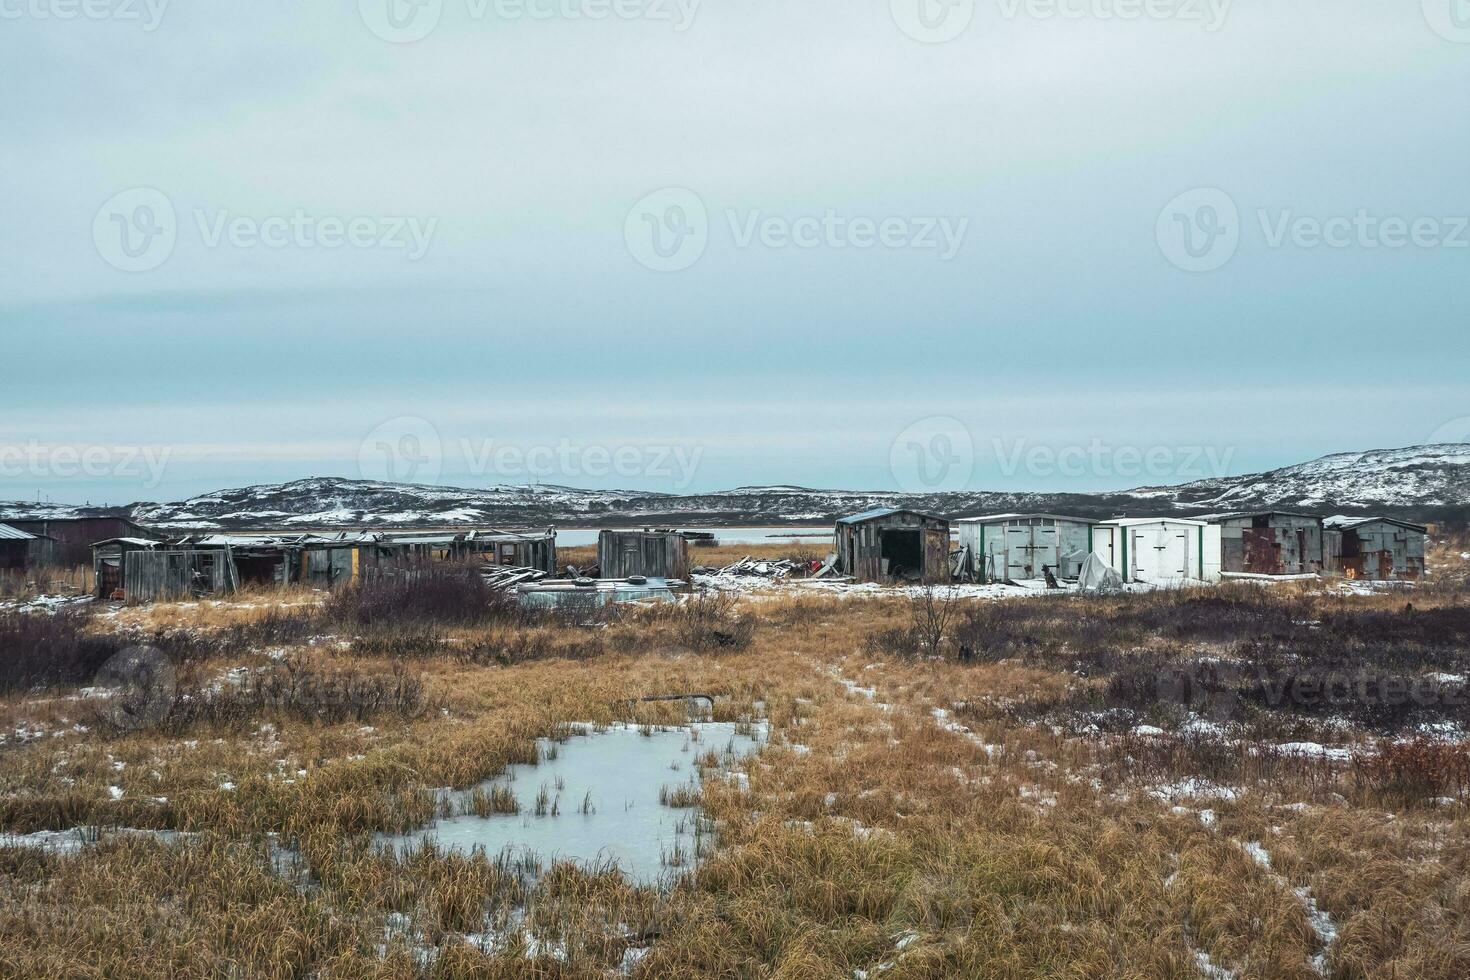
(1375, 548)
(883, 544)
(1270, 542)
(646, 553)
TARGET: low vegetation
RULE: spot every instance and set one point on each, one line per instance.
(1139, 785)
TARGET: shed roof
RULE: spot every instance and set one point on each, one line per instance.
(1002, 518)
(148, 543)
(1236, 515)
(1341, 523)
(881, 512)
(1134, 521)
(8, 533)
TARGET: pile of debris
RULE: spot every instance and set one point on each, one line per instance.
(507, 578)
(779, 568)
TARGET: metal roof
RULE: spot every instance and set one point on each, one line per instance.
(143, 543)
(867, 515)
(877, 512)
(1350, 523)
(1136, 521)
(8, 533)
(1237, 515)
(1002, 518)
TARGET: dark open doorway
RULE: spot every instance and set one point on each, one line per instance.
(903, 552)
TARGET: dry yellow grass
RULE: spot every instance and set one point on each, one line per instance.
(870, 834)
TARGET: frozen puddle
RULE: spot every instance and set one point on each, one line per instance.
(594, 799)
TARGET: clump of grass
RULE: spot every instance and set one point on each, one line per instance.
(498, 799)
(300, 690)
(681, 796)
(1415, 773)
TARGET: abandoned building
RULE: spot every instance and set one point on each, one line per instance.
(883, 544)
(21, 550)
(143, 570)
(510, 549)
(1007, 547)
(646, 554)
(1159, 550)
(75, 536)
(110, 560)
(1374, 548)
(1269, 543)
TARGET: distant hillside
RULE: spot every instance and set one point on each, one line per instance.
(1419, 482)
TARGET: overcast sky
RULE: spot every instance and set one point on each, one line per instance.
(670, 245)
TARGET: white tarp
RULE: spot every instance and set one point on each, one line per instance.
(1098, 576)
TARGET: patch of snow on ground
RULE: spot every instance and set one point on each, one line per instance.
(1209, 969)
(1314, 750)
(1193, 788)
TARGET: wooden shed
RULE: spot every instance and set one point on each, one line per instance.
(110, 560)
(884, 544)
(74, 536)
(22, 550)
(510, 549)
(177, 573)
(651, 554)
(1375, 548)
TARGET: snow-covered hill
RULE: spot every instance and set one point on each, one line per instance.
(1424, 482)
(1415, 478)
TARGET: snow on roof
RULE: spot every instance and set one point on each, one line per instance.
(868, 515)
(8, 533)
(138, 542)
(1237, 515)
(877, 512)
(1135, 521)
(1002, 518)
(1343, 523)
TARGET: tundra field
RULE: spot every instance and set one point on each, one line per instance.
(1236, 781)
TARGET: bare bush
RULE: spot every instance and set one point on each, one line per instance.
(713, 620)
(1415, 772)
(298, 690)
(42, 649)
(898, 642)
(451, 594)
(931, 610)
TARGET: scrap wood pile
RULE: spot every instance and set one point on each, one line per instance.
(779, 568)
(506, 578)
